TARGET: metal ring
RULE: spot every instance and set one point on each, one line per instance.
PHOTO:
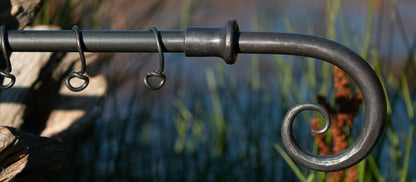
(159, 72)
(159, 49)
(80, 50)
(78, 74)
(155, 74)
(12, 80)
(6, 72)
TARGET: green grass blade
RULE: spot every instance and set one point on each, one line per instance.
(311, 68)
(407, 97)
(311, 176)
(255, 72)
(288, 25)
(333, 10)
(407, 154)
(290, 162)
(367, 37)
(215, 98)
(218, 122)
(361, 170)
(373, 166)
(46, 12)
(185, 13)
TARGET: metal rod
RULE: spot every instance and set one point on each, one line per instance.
(93, 41)
(226, 42)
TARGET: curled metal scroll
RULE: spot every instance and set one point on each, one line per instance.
(360, 72)
(374, 99)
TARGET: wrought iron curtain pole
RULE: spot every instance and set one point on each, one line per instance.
(226, 42)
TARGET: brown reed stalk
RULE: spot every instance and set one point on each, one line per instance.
(342, 114)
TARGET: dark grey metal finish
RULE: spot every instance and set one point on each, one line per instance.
(220, 42)
(157, 73)
(226, 42)
(8, 66)
(78, 74)
(348, 61)
(93, 41)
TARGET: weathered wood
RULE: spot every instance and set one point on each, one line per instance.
(13, 155)
(40, 103)
(27, 67)
(27, 157)
(23, 156)
(74, 111)
(40, 97)
(17, 14)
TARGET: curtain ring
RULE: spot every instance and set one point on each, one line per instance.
(6, 71)
(159, 72)
(78, 74)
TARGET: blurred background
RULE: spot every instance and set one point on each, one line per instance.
(218, 122)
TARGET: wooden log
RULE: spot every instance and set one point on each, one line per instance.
(27, 66)
(13, 155)
(40, 103)
(24, 156)
(27, 157)
(17, 14)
